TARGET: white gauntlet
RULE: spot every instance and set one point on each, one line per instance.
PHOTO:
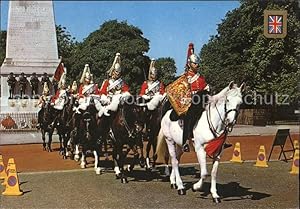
(104, 99)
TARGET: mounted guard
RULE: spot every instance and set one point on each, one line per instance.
(152, 90)
(188, 95)
(114, 88)
(59, 99)
(88, 90)
(46, 97)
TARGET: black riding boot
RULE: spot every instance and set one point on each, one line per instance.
(186, 133)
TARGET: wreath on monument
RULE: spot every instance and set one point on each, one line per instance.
(8, 122)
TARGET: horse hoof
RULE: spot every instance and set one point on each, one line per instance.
(181, 192)
(118, 176)
(76, 158)
(173, 186)
(82, 166)
(124, 180)
(64, 157)
(217, 200)
(142, 162)
(129, 168)
(44, 148)
(98, 171)
(193, 190)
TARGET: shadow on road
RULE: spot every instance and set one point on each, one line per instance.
(231, 191)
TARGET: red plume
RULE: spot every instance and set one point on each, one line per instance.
(189, 52)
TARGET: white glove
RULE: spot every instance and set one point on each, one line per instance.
(104, 99)
(146, 97)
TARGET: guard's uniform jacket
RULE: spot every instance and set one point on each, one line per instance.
(86, 90)
(196, 81)
(112, 87)
(152, 87)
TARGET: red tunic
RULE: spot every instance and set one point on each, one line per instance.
(199, 84)
(95, 91)
(105, 85)
(55, 97)
(144, 87)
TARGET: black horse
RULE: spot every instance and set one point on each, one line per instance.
(126, 129)
(85, 135)
(63, 124)
(46, 124)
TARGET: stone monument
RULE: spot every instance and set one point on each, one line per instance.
(31, 47)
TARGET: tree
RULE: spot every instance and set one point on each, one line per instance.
(99, 49)
(66, 44)
(2, 46)
(240, 52)
(167, 69)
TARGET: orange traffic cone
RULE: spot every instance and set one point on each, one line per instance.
(296, 144)
(261, 157)
(12, 186)
(10, 162)
(295, 166)
(236, 157)
(2, 169)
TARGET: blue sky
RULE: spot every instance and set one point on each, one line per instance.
(169, 25)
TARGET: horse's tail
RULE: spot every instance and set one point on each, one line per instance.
(161, 149)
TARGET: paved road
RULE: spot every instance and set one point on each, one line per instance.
(240, 185)
(238, 130)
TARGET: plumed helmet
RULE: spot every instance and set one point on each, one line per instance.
(46, 89)
(194, 59)
(190, 51)
(116, 66)
(152, 69)
(74, 86)
(86, 73)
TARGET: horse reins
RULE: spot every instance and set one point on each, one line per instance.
(227, 128)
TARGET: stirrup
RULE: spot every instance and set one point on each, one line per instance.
(227, 145)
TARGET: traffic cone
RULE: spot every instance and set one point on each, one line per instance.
(2, 169)
(296, 144)
(12, 186)
(236, 157)
(295, 166)
(261, 158)
(10, 162)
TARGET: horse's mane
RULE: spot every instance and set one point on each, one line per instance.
(215, 99)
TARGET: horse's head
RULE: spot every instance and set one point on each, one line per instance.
(233, 100)
(47, 111)
(133, 113)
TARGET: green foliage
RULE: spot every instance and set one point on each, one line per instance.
(66, 44)
(2, 46)
(167, 69)
(241, 52)
(99, 49)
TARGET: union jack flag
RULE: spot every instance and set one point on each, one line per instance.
(275, 24)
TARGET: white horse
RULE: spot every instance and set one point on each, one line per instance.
(219, 117)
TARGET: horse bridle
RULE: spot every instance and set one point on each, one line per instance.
(228, 128)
